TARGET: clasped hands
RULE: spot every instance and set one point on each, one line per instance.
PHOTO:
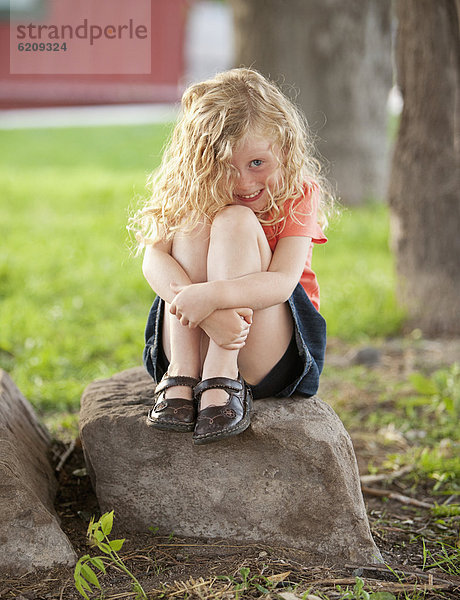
(195, 306)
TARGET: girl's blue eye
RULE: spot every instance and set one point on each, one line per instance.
(256, 163)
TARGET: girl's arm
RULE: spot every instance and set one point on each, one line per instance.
(160, 269)
(256, 290)
(228, 328)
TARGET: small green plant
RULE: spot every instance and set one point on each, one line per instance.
(245, 581)
(449, 510)
(84, 575)
(359, 593)
(415, 594)
(432, 415)
(441, 393)
(257, 582)
(446, 558)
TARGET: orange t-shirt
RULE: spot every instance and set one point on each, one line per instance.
(305, 225)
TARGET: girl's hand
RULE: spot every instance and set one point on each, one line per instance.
(229, 327)
(192, 303)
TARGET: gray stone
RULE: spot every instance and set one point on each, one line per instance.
(290, 480)
(368, 356)
(30, 535)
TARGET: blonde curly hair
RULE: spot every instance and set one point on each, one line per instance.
(196, 179)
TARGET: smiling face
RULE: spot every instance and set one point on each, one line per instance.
(258, 166)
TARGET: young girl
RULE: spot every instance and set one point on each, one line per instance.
(228, 236)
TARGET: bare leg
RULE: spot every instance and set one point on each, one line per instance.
(237, 247)
(181, 344)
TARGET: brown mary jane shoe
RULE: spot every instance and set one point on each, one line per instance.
(173, 414)
(218, 422)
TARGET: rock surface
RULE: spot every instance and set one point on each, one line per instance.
(290, 480)
(30, 535)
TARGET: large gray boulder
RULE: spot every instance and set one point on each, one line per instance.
(30, 535)
(290, 480)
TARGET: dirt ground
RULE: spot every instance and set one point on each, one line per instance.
(174, 567)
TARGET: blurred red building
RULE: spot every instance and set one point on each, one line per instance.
(161, 82)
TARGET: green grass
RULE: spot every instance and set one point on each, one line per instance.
(114, 149)
(356, 275)
(73, 301)
(431, 412)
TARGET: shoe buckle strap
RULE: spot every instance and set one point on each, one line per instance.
(179, 381)
(218, 382)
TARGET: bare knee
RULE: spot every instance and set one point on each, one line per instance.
(240, 223)
(235, 219)
(236, 230)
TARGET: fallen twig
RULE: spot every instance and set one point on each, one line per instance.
(395, 496)
(399, 571)
(65, 455)
(340, 581)
(387, 586)
(386, 476)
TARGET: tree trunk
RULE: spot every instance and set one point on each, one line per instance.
(425, 179)
(338, 55)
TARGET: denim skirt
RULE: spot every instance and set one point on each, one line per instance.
(298, 370)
